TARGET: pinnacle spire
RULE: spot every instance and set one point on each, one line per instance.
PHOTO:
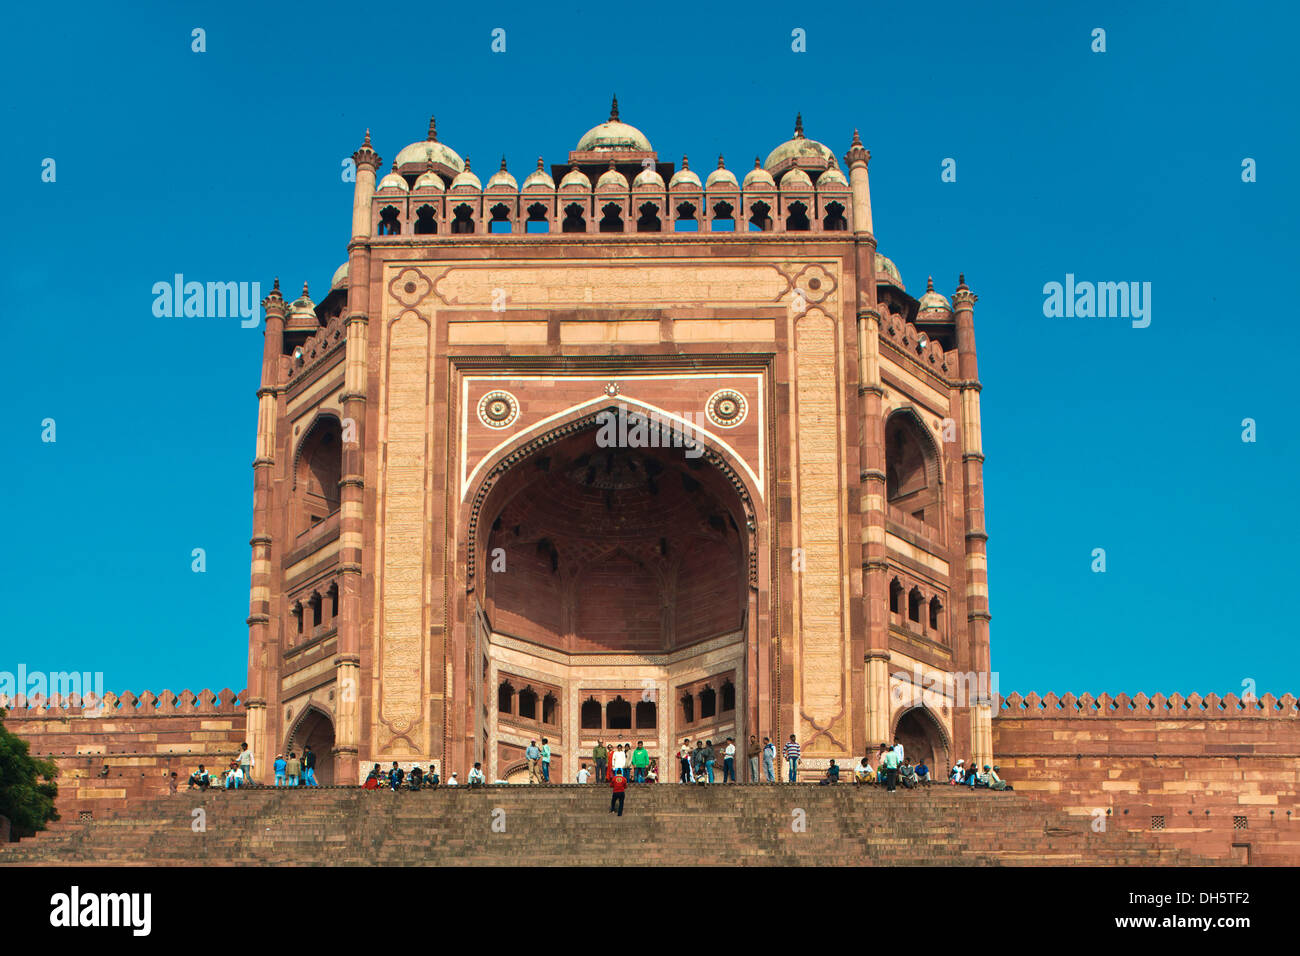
(613, 110)
(686, 163)
(503, 163)
(539, 164)
(798, 125)
(721, 164)
(432, 137)
(367, 142)
(929, 284)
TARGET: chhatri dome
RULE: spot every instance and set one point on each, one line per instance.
(414, 159)
(933, 301)
(807, 154)
(615, 136)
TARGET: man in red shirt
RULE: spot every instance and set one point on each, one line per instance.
(619, 785)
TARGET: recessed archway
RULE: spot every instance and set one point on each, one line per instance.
(314, 729)
(923, 738)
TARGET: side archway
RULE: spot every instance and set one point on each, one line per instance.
(923, 738)
(314, 728)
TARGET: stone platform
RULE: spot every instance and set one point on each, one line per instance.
(663, 825)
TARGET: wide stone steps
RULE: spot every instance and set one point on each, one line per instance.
(663, 824)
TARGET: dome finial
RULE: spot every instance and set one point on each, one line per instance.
(929, 284)
(367, 142)
(857, 140)
(686, 162)
(758, 163)
(798, 125)
(304, 290)
(394, 169)
(721, 164)
(613, 110)
(503, 163)
(539, 164)
(961, 280)
(433, 130)
(275, 287)
(467, 169)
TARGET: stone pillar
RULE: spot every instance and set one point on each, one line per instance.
(875, 566)
(347, 663)
(263, 646)
(977, 591)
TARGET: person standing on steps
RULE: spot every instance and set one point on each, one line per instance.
(769, 760)
(684, 758)
(546, 760)
(729, 761)
(246, 764)
(598, 757)
(792, 757)
(710, 758)
(640, 761)
(584, 774)
(697, 763)
(891, 762)
(280, 765)
(752, 752)
(534, 757)
(618, 785)
(293, 769)
(619, 761)
(309, 767)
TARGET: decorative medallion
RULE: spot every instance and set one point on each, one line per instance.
(726, 408)
(814, 283)
(498, 409)
(410, 286)
(611, 389)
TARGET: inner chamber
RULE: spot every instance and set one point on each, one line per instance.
(617, 550)
(615, 595)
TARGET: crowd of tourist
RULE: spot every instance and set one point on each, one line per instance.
(619, 765)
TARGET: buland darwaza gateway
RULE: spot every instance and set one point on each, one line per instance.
(448, 562)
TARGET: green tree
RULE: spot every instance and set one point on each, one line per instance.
(24, 798)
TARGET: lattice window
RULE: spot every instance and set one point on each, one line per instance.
(1157, 823)
(85, 816)
(1239, 823)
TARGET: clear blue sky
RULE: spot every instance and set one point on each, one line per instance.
(1124, 165)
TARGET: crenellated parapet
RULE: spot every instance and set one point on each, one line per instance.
(126, 704)
(917, 345)
(319, 347)
(1140, 705)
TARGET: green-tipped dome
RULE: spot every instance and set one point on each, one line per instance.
(685, 177)
(539, 178)
(800, 151)
(887, 272)
(614, 135)
(393, 181)
(428, 151)
(932, 301)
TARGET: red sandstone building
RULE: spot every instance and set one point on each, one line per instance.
(451, 557)
(448, 560)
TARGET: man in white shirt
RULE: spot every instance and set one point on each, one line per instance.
(453, 782)
(898, 752)
(729, 761)
(583, 774)
(619, 761)
(476, 778)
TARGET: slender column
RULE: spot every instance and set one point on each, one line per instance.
(875, 566)
(977, 591)
(262, 643)
(347, 663)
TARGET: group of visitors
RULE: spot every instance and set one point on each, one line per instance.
(288, 773)
(966, 773)
(620, 760)
(396, 779)
(892, 768)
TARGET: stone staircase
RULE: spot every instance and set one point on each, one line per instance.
(663, 825)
